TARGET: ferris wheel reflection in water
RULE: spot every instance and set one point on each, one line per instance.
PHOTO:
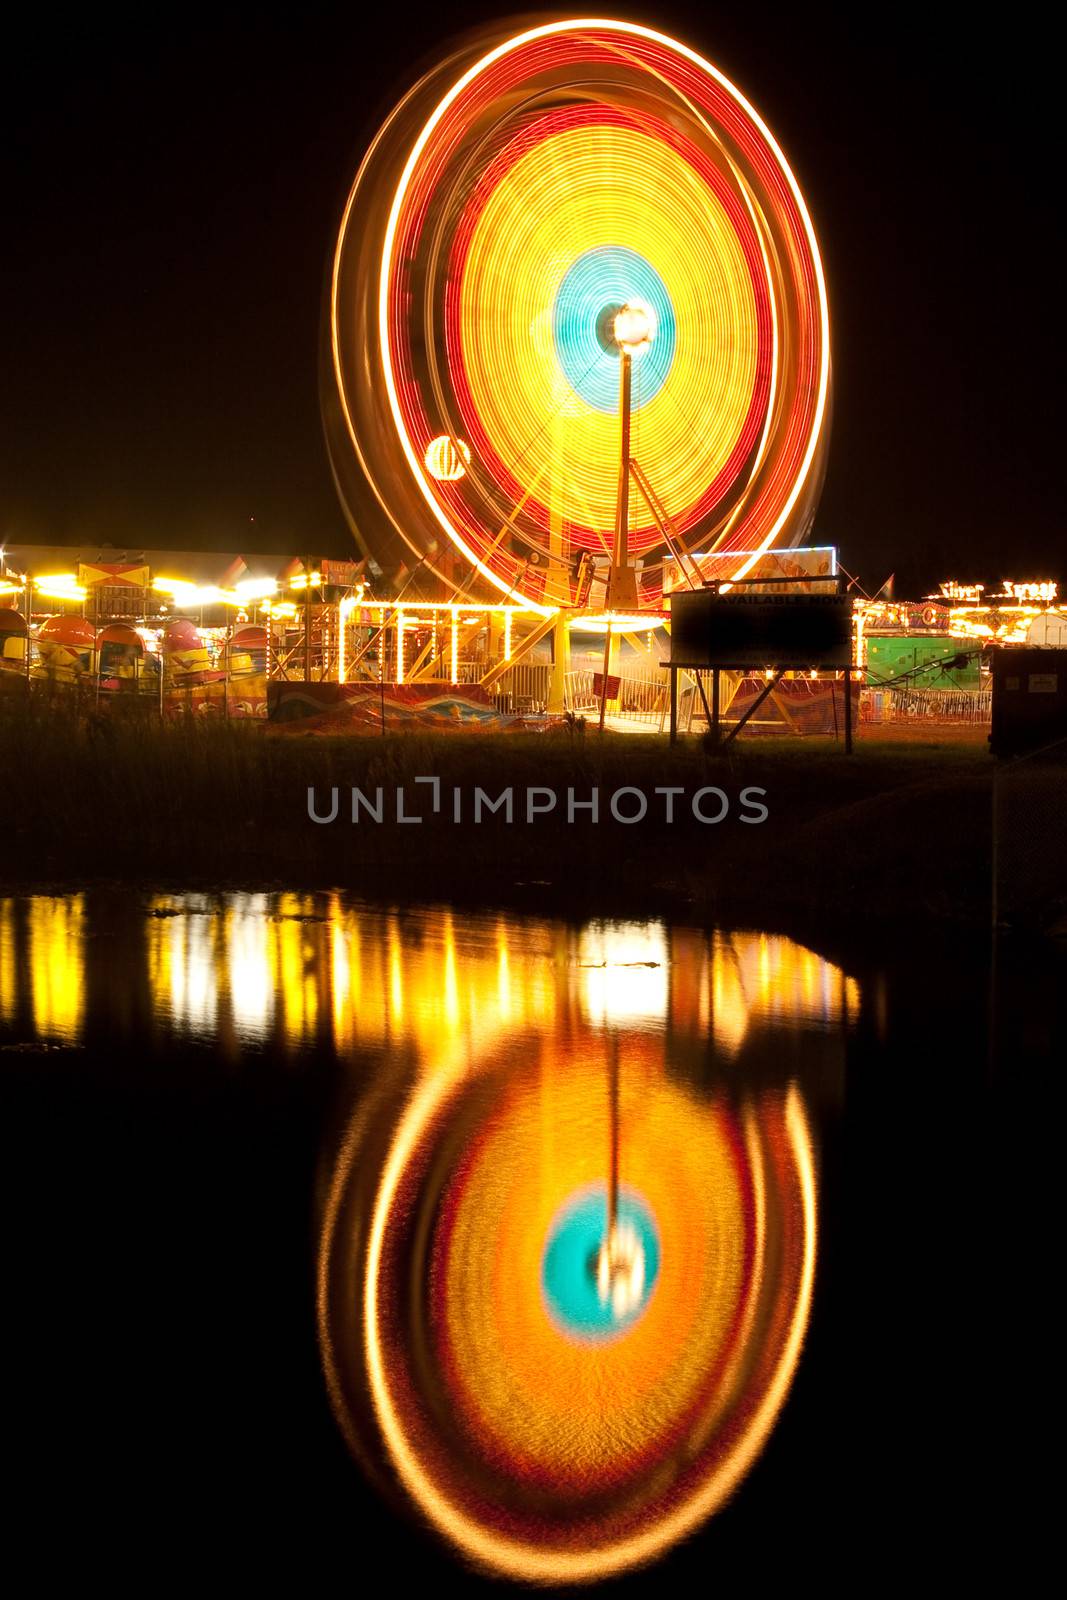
(571, 1264)
(568, 1253)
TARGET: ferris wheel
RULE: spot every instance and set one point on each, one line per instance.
(577, 319)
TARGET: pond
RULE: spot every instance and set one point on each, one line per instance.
(499, 1247)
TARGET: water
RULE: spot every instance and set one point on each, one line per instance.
(503, 1248)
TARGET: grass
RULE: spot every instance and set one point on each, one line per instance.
(896, 830)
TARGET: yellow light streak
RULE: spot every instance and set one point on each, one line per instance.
(59, 586)
(344, 610)
(193, 595)
(57, 959)
(622, 621)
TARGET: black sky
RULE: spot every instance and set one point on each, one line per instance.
(172, 181)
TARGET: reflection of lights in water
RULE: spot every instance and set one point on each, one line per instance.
(301, 967)
(596, 1280)
(299, 963)
(624, 970)
(748, 978)
(503, 972)
(623, 1384)
(57, 959)
(620, 1271)
(182, 966)
(452, 1007)
(555, 1420)
(8, 990)
(248, 964)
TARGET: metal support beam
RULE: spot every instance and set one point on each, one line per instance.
(424, 669)
(704, 699)
(533, 639)
(754, 707)
(671, 537)
(848, 711)
(622, 579)
(307, 619)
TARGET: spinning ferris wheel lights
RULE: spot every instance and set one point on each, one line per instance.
(524, 203)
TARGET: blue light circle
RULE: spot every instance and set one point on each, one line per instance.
(568, 1275)
(596, 286)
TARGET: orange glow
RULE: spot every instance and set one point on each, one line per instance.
(505, 1116)
(755, 1379)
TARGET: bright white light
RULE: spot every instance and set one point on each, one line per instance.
(255, 588)
(618, 621)
(635, 327)
(446, 459)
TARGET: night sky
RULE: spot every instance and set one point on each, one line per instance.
(172, 184)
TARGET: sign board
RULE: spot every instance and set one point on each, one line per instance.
(118, 574)
(614, 684)
(342, 574)
(741, 631)
(803, 570)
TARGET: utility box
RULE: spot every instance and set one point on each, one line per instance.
(1029, 699)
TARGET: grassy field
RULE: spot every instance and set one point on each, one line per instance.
(900, 829)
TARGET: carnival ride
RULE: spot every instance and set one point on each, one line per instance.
(577, 326)
(314, 629)
(576, 358)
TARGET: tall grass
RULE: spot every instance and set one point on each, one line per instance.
(98, 795)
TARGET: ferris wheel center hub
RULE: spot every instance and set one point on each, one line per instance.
(622, 589)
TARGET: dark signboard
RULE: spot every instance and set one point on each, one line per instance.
(740, 631)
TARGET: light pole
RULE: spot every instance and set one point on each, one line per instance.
(633, 330)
